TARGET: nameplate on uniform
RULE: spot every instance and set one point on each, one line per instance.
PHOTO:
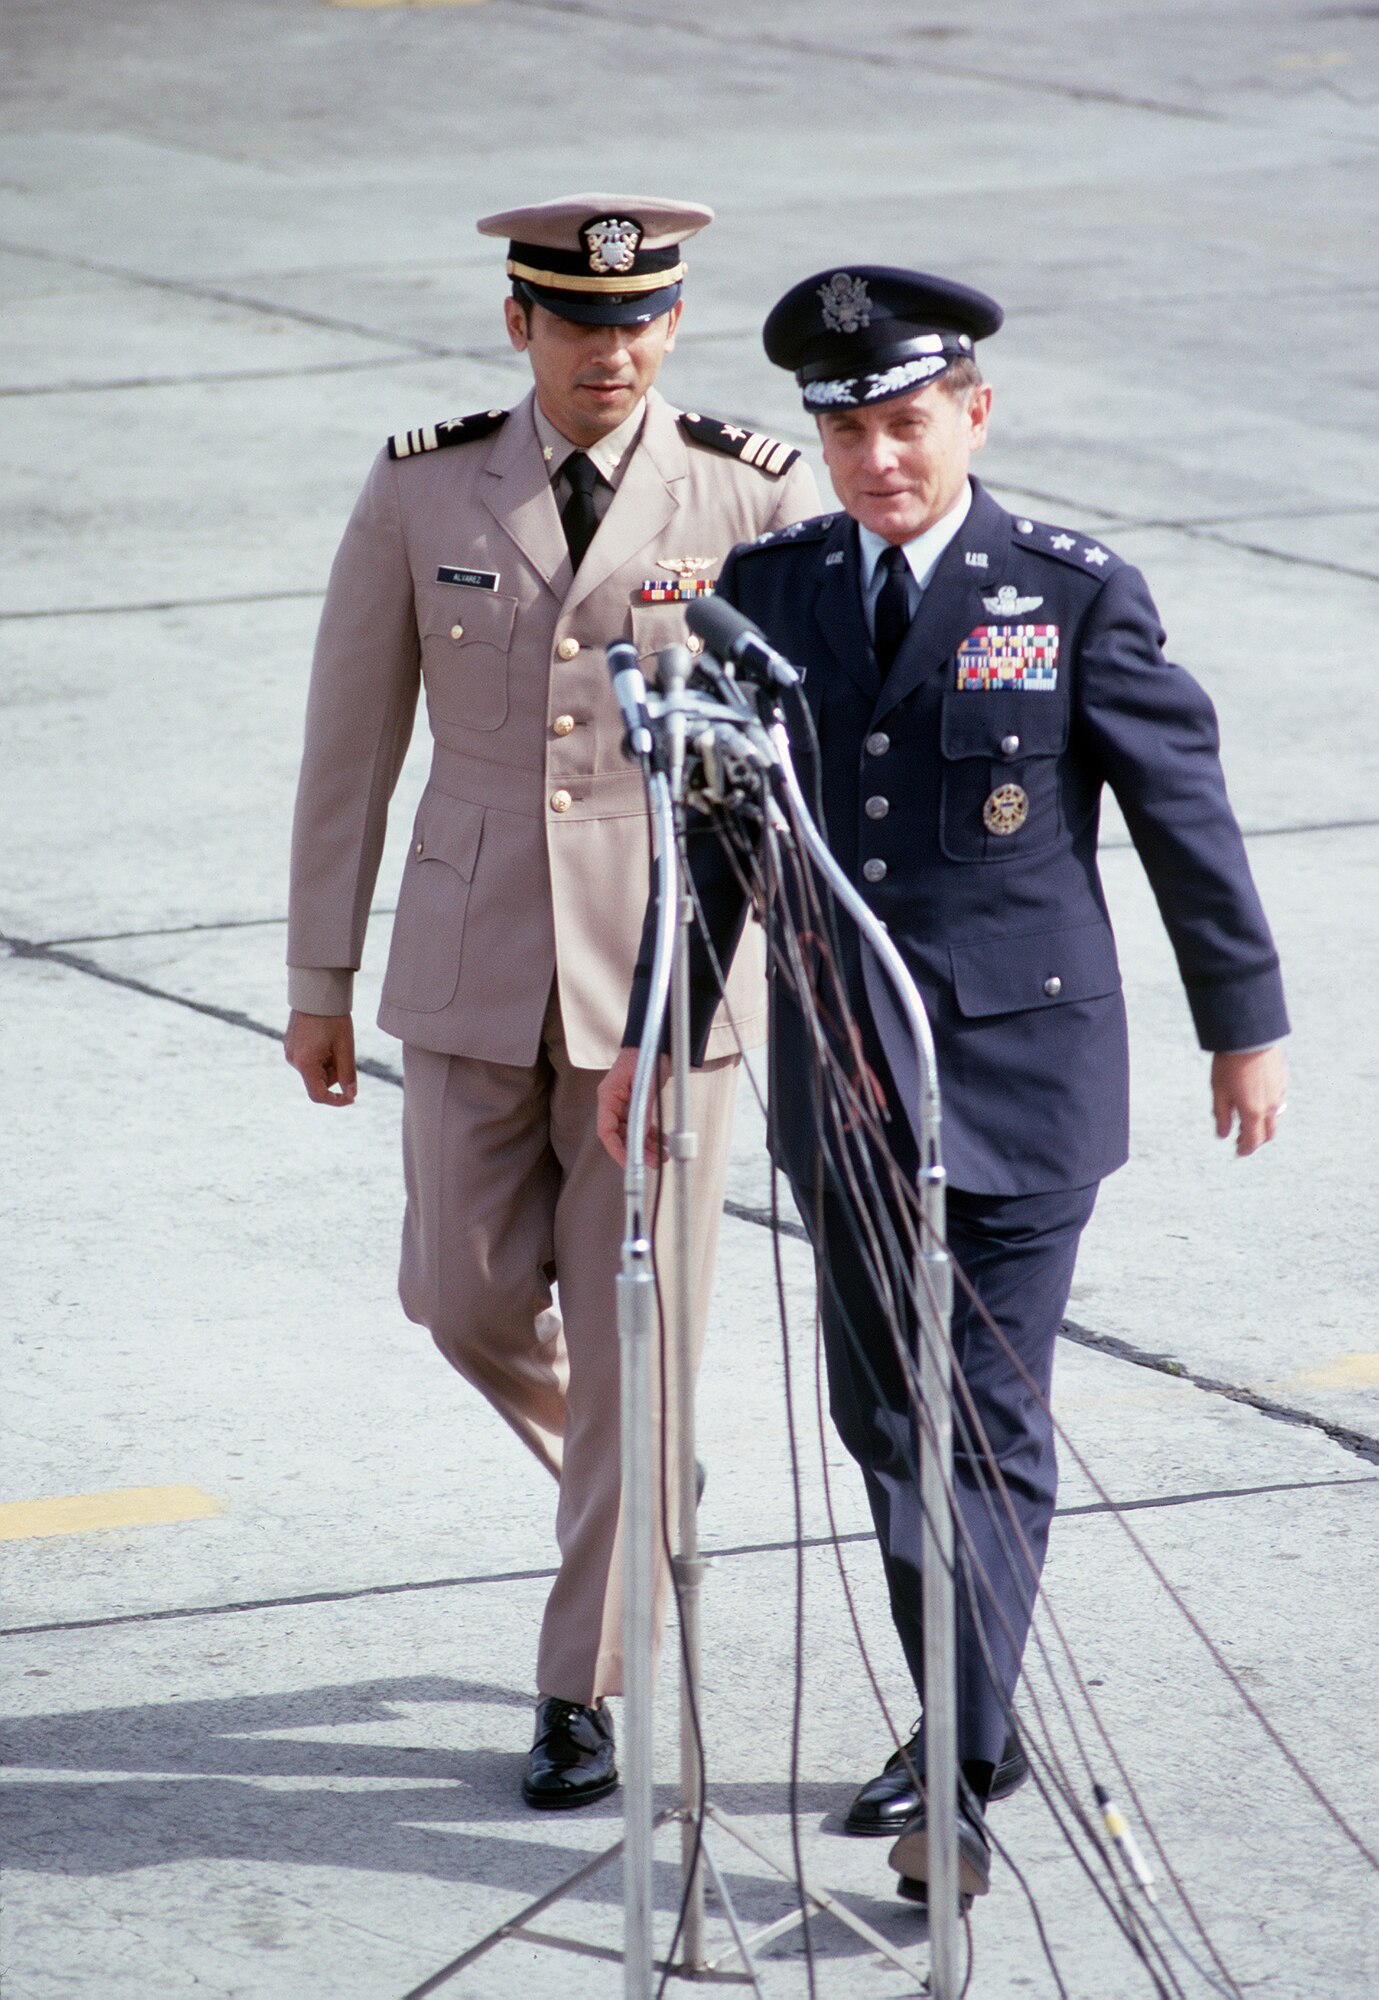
(1021, 657)
(477, 579)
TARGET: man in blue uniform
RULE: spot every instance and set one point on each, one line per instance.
(975, 679)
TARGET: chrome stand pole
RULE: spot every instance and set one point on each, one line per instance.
(637, 1332)
(934, 1300)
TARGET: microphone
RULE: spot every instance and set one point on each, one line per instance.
(734, 639)
(629, 687)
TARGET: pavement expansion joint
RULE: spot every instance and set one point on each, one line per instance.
(413, 1586)
(1359, 1442)
(842, 52)
(161, 604)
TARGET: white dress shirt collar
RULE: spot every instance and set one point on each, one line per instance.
(922, 553)
(607, 455)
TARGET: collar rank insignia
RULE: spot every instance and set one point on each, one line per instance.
(767, 454)
(1007, 603)
(686, 584)
(435, 437)
(1021, 658)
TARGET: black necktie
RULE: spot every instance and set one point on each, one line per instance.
(892, 607)
(577, 517)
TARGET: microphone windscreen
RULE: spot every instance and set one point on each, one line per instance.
(720, 625)
(622, 654)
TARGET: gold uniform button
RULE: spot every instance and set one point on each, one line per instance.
(695, 643)
(563, 724)
(561, 801)
(457, 631)
(420, 848)
(568, 649)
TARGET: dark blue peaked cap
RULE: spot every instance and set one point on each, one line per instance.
(862, 335)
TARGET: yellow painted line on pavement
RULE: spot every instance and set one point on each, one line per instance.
(125, 1507)
(1347, 1371)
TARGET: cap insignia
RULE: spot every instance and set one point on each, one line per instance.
(611, 244)
(846, 304)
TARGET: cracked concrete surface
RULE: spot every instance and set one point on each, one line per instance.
(275, 1752)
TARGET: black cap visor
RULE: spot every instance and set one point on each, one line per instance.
(602, 308)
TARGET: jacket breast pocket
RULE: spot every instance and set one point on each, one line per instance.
(428, 930)
(1000, 796)
(465, 638)
(655, 626)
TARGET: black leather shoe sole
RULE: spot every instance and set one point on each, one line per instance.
(910, 1855)
(918, 1892)
(890, 1799)
(569, 1796)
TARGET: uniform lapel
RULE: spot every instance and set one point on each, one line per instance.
(952, 605)
(838, 606)
(646, 501)
(516, 490)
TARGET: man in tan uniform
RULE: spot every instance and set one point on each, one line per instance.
(489, 561)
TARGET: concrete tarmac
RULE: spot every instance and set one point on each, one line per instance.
(268, 1676)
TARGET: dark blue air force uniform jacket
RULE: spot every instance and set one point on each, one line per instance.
(1035, 662)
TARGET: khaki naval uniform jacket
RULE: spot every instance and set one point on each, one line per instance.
(528, 860)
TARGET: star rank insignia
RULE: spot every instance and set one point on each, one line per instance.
(1095, 556)
(1062, 541)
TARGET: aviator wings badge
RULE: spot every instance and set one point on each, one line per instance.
(1007, 603)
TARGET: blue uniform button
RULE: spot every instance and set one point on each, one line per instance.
(873, 871)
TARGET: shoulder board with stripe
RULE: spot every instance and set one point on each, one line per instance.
(813, 530)
(1082, 552)
(435, 437)
(767, 454)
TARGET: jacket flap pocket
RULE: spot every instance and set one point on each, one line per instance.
(482, 617)
(448, 830)
(1010, 975)
(982, 724)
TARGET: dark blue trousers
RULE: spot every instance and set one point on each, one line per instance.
(1019, 1252)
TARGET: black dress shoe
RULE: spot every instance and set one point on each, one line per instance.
(910, 1855)
(571, 1762)
(889, 1799)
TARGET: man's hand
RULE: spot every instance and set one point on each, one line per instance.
(321, 1048)
(1252, 1088)
(615, 1101)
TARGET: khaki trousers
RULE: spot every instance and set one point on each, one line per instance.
(510, 1250)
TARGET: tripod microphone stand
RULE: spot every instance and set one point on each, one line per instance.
(731, 730)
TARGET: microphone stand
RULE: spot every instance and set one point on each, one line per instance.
(657, 738)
